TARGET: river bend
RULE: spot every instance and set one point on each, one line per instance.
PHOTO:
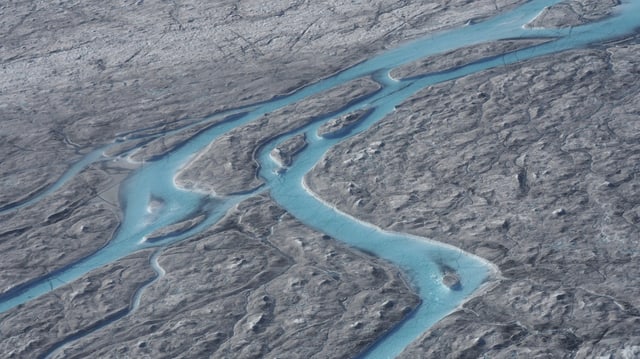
(419, 257)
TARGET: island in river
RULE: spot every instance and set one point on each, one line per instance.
(532, 166)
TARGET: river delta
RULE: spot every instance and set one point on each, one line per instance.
(166, 191)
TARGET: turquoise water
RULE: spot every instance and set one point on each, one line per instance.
(417, 256)
(76, 168)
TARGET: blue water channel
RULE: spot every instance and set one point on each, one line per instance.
(419, 257)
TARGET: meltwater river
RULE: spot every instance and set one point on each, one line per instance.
(417, 256)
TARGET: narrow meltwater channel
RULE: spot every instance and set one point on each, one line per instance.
(417, 256)
(135, 303)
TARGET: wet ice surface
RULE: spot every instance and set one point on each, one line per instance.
(417, 256)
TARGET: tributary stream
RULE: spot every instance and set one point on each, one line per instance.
(418, 257)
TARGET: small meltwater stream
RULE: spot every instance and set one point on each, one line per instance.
(151, 201)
